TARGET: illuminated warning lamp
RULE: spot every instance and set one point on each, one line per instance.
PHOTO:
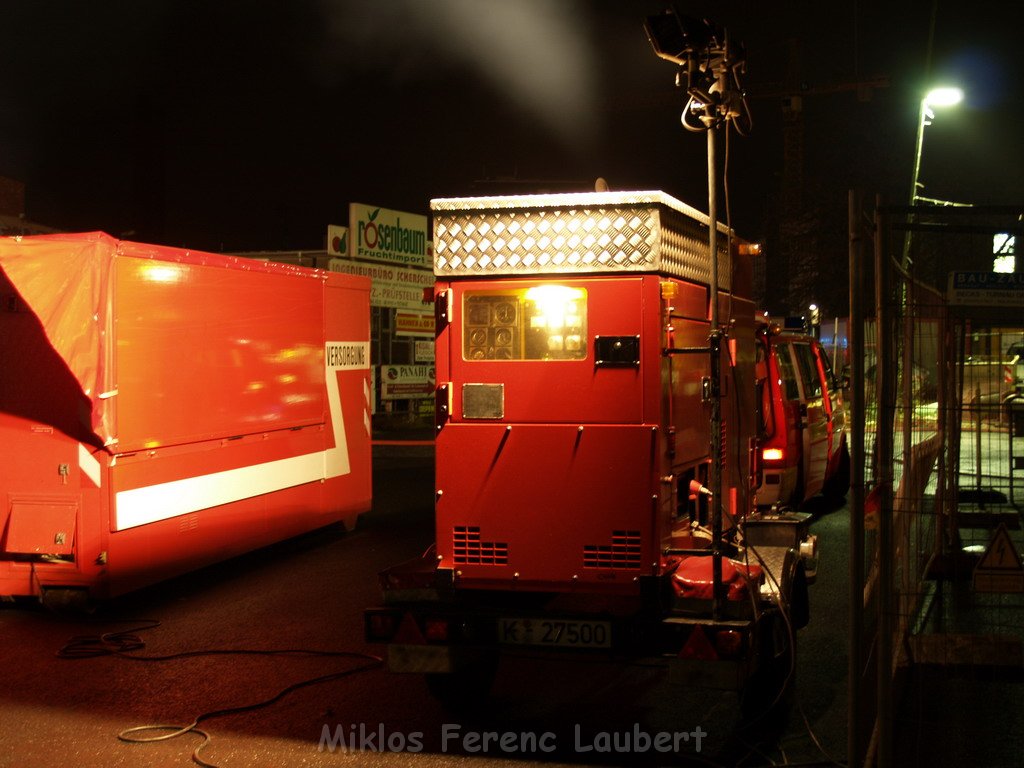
(773, 454)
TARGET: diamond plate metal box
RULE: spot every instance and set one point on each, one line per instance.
(590, 232)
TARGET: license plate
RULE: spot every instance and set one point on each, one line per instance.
(561, 633)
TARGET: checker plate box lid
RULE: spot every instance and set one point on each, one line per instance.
(589, 232)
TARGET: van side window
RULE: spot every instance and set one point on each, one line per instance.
(787, 376)
(826, 364)
(808, 370)
(765, 410)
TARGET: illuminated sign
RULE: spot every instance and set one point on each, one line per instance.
(337, 240)
(414, 324)
(401, 382)
(380, 234)
(986, 289)
(390, 286)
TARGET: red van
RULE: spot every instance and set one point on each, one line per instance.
(803, 419)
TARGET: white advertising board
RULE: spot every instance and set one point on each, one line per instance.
(391, 286)
(406, 382)
(382, 235)
(337, 240)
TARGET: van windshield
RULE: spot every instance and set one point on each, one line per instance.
(809, 376)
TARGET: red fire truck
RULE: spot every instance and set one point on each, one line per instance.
(163, 409)
(576, 367)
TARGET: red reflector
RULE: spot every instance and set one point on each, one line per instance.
(773, 454)
(698, 647)
(435, 630)
(408, 632)
(729, 643)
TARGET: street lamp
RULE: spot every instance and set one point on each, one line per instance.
(937, 97)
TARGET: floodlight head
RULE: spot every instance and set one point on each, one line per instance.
(677, 38)
(943, 97)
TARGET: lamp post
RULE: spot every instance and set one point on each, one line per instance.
(937, 97)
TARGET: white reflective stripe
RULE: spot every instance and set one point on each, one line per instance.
(336, 458)
(355, 356)
(151, 503)
(366, 410)
(191, 494)
(89, 465)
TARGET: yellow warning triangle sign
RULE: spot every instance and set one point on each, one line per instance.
(1001, 554)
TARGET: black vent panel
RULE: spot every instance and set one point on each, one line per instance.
(623, 552)
(468, 549)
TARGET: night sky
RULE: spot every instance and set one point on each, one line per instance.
(242, 125)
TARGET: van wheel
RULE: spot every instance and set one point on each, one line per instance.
(839, 484)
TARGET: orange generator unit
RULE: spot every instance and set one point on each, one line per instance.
(576, 369)
(163, 409)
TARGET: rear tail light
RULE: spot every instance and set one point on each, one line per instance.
(729, 644)
(773, 454)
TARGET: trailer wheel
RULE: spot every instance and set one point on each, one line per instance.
(768, 695)
(466, 689)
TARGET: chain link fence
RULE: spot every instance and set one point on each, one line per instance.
(936, 580)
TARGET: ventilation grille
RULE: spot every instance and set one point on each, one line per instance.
(623, 552)
(469, 550)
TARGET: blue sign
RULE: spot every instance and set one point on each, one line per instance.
(987, 289)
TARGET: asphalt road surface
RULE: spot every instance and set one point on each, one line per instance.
(331, 709)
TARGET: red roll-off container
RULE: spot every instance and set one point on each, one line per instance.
(163, 409)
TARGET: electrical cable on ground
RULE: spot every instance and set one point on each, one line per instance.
(123, 643)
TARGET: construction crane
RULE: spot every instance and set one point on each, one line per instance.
(796, 254)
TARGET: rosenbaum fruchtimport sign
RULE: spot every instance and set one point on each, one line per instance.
(382, 235)
(392, 249)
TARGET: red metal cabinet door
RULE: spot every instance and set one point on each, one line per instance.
(570, 389)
